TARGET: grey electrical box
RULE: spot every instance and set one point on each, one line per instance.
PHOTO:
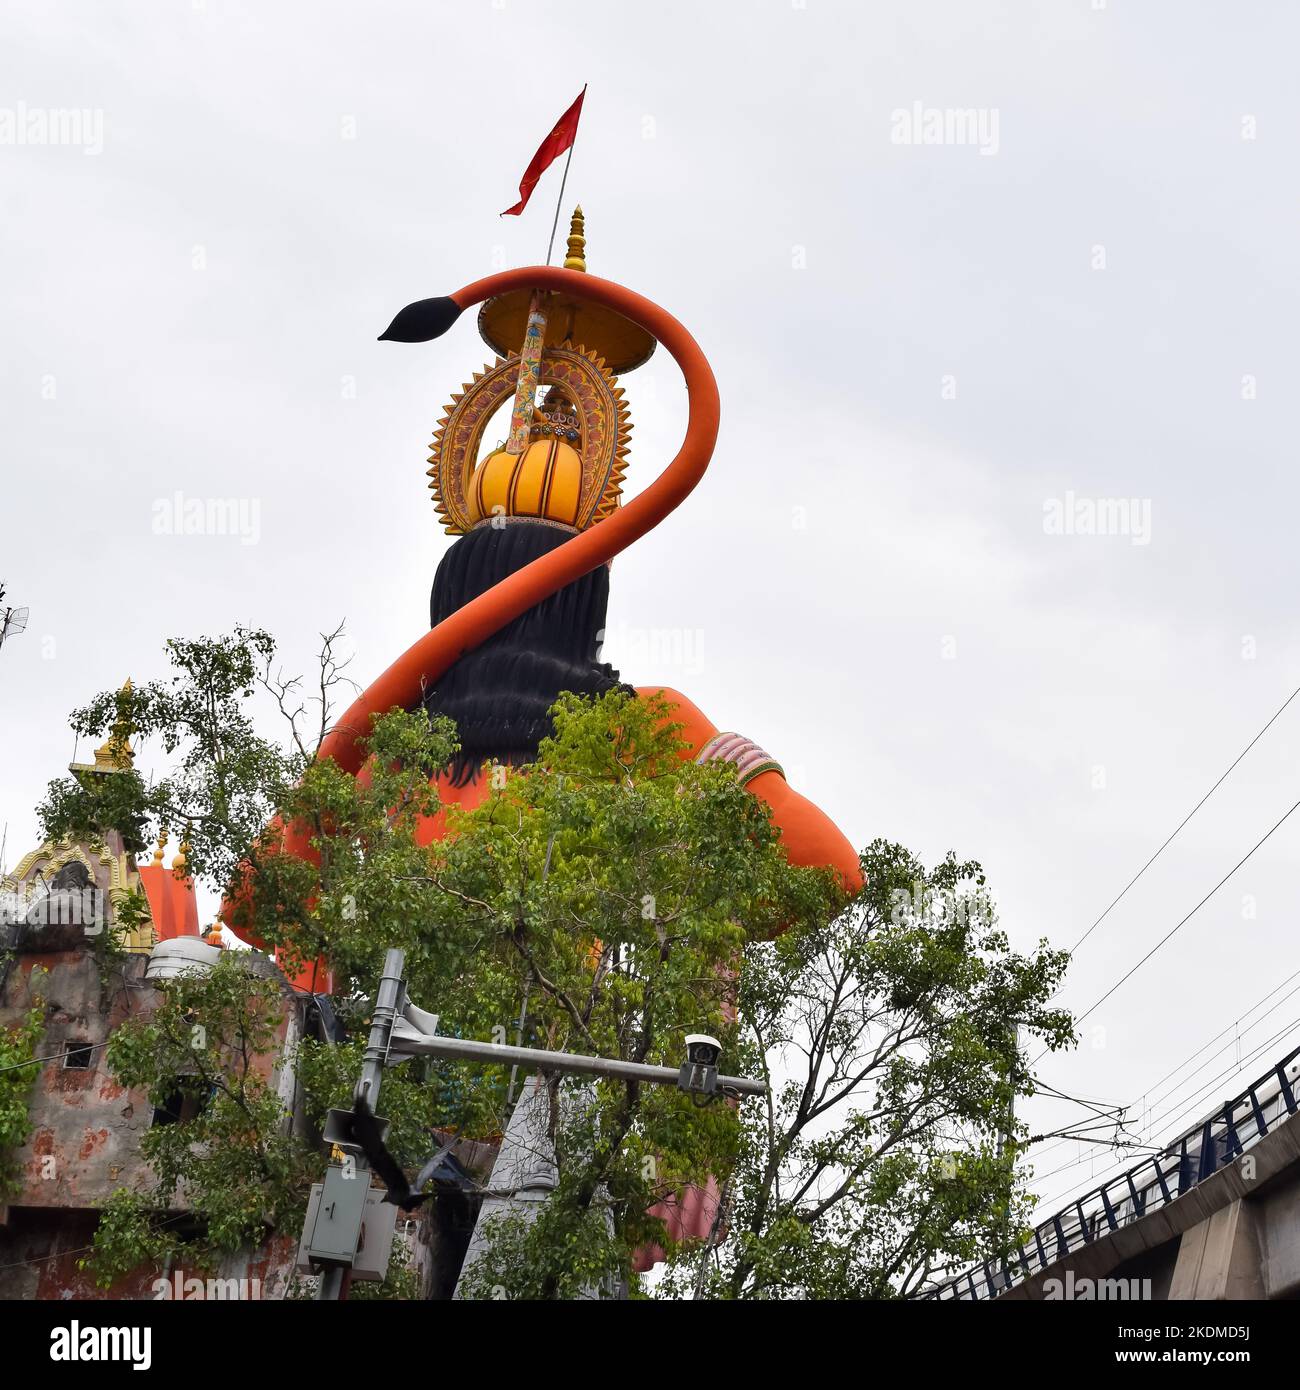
(376, 1244)
(335, 1225)
(348, 1223)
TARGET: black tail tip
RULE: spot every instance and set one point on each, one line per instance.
(422, 321)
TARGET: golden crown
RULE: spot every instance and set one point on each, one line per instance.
(565, 459)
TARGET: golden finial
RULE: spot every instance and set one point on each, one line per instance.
(115, 753)
(577, 257)
(179, 862)
(162, 844)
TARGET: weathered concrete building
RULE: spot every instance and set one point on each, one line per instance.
(65, 953)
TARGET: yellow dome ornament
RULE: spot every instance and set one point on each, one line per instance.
(564, 460)
(543, 482)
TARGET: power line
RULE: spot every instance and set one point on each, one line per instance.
(53, 1057)
(1192, 1104)
(81, 1249)
(1069, 1197)
(1183, 822)
(1128, 975)
(1160, 1099)
(95, 1047)
(1065, 1138)
(1103, 1109)
(1194, 1100)
(1228, 1029)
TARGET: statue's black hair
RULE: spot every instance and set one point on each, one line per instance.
(499, 694)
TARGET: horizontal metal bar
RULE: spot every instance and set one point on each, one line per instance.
(537, 1059)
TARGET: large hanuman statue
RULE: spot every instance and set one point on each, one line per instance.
(519, 601)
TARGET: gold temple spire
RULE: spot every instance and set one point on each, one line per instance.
(161, 846)
(115, 754)
(577, 257)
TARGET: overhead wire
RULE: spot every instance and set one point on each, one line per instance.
(1120, 895)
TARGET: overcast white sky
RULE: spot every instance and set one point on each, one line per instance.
(920, 348)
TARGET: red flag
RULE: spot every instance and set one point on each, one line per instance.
(555, 144)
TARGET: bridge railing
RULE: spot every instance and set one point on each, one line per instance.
(1149, 1185)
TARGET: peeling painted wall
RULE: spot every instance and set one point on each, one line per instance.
(85, 1141)
(87, 1128)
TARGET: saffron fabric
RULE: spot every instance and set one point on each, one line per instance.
(555, 144)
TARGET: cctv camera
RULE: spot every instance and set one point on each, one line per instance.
(699, 1073)
(702, 1050)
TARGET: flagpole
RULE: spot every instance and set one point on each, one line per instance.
(559, 202)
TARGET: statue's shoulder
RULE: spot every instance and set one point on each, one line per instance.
(697, 728)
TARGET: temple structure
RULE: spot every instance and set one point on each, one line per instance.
(87, 882)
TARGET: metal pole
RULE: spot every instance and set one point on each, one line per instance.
(388, 1005)
(550, 245)
(391, 1006)
(537, 1059)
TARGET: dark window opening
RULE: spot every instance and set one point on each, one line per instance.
(179, 1107)
(78, 1056)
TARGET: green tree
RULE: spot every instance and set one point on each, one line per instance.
(619, 896)
(893, 1040)
(619, 884)
(17, 1073)
(206, 1057)
(233, 1160)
